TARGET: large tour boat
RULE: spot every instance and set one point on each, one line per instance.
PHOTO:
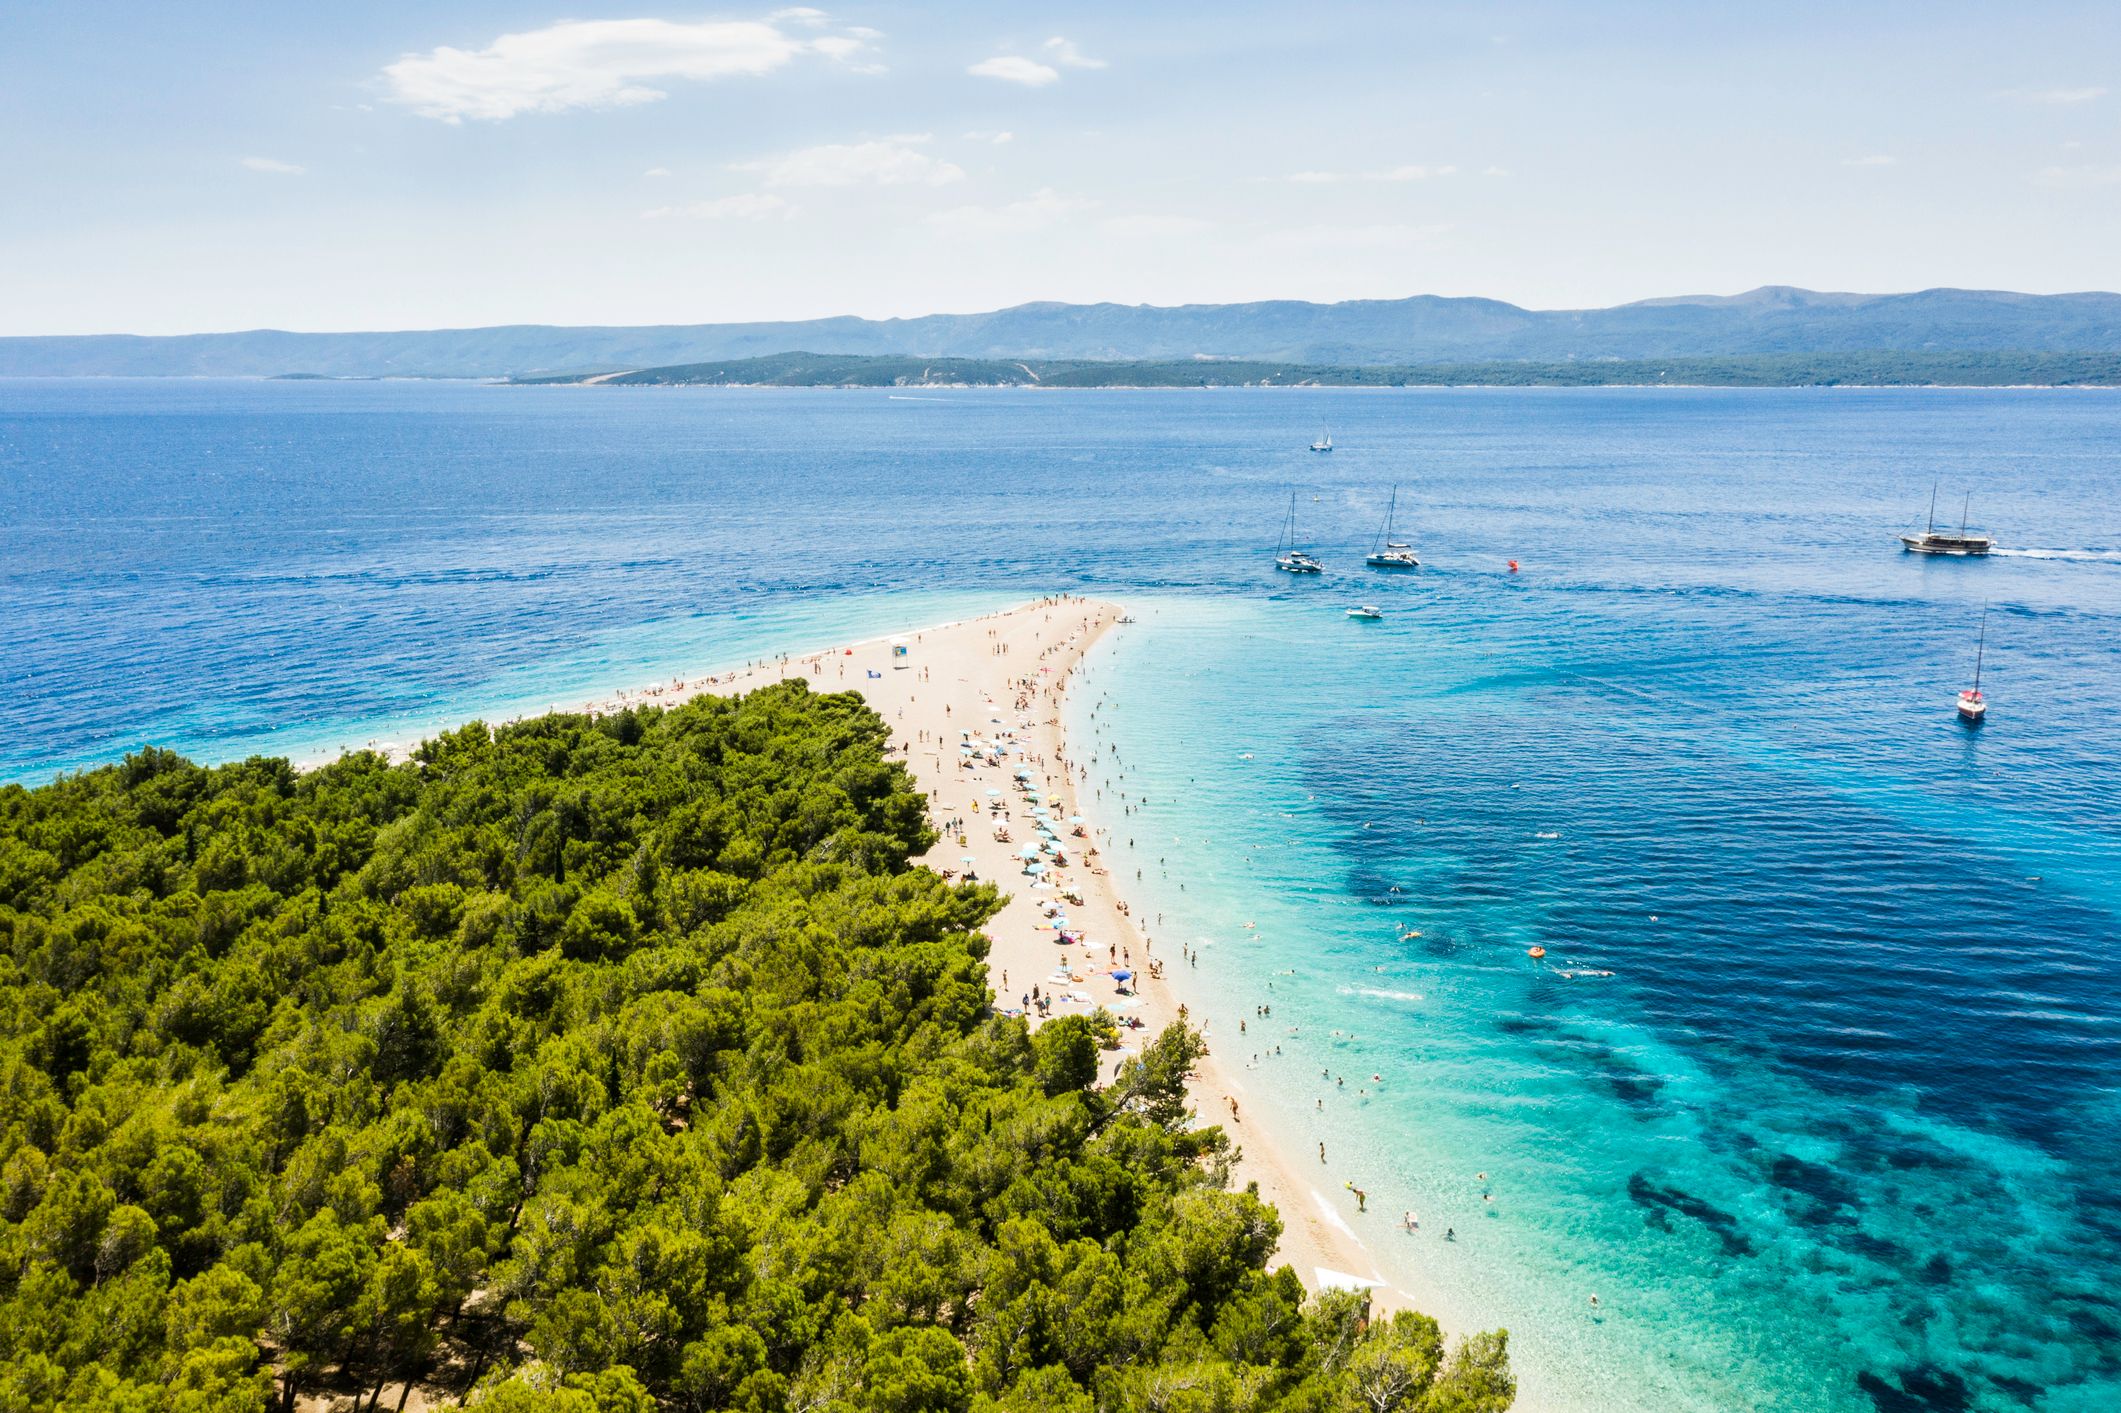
(1935, 541)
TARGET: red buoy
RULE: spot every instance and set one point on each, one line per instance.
(1513, 566)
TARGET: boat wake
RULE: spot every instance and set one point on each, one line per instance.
(2076, 556)
(1379, 994)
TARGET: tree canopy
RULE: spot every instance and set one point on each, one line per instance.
(591, 1065)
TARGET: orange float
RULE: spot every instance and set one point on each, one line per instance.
(1537, 952)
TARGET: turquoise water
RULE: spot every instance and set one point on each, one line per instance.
(1836, 1132)
(1789, 1186)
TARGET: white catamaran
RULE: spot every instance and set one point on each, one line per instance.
(1386, 552)
(1287, 557)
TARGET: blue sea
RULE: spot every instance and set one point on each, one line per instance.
(1818, 1084)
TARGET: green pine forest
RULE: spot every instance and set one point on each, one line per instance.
(593, 1065)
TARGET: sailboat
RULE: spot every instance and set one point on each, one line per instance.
(1325, 440)
(1935, 541)
(1287, 556)
(1386, 552)
(1973, 707)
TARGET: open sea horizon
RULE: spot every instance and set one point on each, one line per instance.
(1817, 1085)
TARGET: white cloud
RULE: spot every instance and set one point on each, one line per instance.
(744, 206)
(1040, 209)
(600, 64)
(1496, 172)
(2081, 176)
(273, 167)
(997, 138)
(1067, 55)
(1152, 227)
(892, 161)
(1016, 69)
(1352, 237)
(1385, 174)
(1875, 159)
(2055, 95)
(656, 172)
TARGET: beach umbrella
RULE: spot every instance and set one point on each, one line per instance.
(1034, 868)
(968, 859)
(1077, 819)
(994, 794)
(1029, 851)
(1123, 976)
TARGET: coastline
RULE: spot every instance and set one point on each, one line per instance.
(1008, 672)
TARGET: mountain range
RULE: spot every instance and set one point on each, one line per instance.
(1424, 329)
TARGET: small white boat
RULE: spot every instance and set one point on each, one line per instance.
(1366, 611)
(1287, 557)
(1324, 442)
(1973, 707)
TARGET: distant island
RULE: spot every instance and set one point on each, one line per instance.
(1427, 332)
(816, 370)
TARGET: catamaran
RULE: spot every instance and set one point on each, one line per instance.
(1935, 541)
(1973, 707)
(1287, 556)
(1386, 552)
(1324, 442)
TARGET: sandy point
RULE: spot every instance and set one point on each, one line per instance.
(977, 711)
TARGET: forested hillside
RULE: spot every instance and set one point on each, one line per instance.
(599, 1065)
(1424, 329)
(813, 370)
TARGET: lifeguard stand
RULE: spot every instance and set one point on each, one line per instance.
(901, 653)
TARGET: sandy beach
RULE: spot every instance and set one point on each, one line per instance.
(977, 710)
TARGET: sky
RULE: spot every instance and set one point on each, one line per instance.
(170, 168)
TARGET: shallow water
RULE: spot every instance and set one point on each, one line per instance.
(1834, 1134)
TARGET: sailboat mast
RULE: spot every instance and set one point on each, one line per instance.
(1963, 511)
(1933, 506)
(1981, 649)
